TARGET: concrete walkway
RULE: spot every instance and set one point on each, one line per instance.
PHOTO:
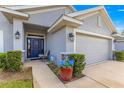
(43, 77)
(108, 74)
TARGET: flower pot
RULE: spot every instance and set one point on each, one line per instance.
(66, 73)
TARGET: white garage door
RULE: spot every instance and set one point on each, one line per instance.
(95, 49)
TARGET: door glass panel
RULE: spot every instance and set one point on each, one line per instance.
(29, 47)
(35, 46)
(29, 44)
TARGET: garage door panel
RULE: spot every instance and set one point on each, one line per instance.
(95, 49)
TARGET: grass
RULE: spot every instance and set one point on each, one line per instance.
(17, 84)
(20, 79)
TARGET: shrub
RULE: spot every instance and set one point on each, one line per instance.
(79, 64)
(14, 60)
(3, 61)
(119, 55)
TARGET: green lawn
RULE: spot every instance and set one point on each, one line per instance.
(16, 84)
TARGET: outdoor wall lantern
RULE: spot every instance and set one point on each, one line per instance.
(17, 35)
(71, 36)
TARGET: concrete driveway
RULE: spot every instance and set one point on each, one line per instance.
(110, 74)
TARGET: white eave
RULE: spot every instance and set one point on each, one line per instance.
(92, 34)
(14, 13)
(65, 21)
(120, 40)
(117, 35)
(27, 7)
(21, 7)
(78, 13)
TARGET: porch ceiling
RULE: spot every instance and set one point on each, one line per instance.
(35, 27)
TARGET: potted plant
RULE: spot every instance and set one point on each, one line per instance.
(66, 69)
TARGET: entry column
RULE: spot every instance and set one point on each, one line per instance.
(18, 35)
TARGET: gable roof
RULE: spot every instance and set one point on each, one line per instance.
(36, 7)
(9, 14)
(63, 21)
(92, 11)
(16, 13)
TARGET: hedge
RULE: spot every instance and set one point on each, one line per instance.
(119, 55)
(3, 61)
(79, 64)
(14, 60)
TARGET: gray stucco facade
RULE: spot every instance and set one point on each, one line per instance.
(96, 49)
(91, 24)
(6, 28)
(58, 41)
(119, 45)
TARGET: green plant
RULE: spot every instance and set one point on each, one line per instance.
(119, 55)
(3, 61)
(14, 60)
(79, 64)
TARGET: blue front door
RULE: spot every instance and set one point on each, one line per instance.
(35, 46)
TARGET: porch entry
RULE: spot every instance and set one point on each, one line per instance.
(35, 46)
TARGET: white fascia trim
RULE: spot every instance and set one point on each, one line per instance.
(33, 6)
(109, 18)
(93, 34)
(84, 11)
(19, 7)
(56, 23)
(120, 40)
(44, 10)
(65, 18)
(71, 6)
(118, 35)
(13, 12)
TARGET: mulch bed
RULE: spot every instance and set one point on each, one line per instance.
(55, 70)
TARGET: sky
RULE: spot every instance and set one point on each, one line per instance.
(116, 12)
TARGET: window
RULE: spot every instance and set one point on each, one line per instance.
(1, 42)
(99, 21)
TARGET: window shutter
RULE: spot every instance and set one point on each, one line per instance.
(99, 21)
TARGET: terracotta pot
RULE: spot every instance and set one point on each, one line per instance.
(66, 73)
